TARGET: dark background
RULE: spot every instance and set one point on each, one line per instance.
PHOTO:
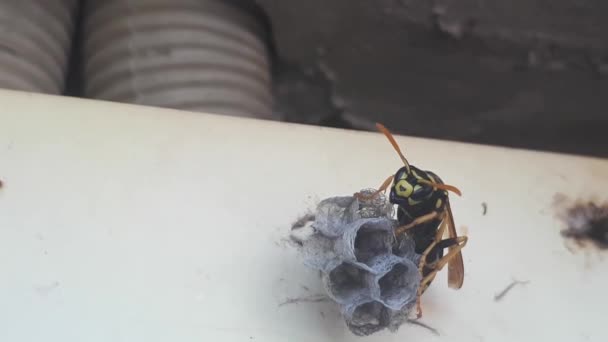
(520, 73)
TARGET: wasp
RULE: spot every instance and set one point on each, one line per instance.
(424, 212)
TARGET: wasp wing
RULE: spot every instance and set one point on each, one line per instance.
(456, 264)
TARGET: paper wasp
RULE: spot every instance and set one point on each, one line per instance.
(424, 212)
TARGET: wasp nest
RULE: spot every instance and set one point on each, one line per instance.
(364, 268)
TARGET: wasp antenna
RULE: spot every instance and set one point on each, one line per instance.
(450, 188)
(446, 187)
(391, 139)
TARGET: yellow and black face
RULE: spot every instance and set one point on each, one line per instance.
(413, 187)
(416, 191)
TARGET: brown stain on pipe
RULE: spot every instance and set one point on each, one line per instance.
(586, 221)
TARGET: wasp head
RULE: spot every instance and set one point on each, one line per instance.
(411, 186)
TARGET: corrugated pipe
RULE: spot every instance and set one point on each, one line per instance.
(35, 43)
(198, 55)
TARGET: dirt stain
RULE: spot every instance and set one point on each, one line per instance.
(586, 222)
(499, 296)
(303, 221)
(425, 326)
(45, 290)
(309, 299)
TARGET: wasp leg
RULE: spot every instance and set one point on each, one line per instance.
(380, 190)
(420, 220)
(455, 245)
(426, 280)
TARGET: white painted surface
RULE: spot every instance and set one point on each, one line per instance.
(125, 223)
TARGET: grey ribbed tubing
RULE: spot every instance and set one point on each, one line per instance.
(35, 43)
(199, 55)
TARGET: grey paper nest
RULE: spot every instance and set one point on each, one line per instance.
(365, 269)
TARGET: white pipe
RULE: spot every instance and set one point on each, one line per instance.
(129, 223)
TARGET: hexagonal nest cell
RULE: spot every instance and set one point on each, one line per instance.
(368, 272)
(370, 242)
(378, 206)
(405, 247)
(397, 283)
(369, 318)
(348, 282)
